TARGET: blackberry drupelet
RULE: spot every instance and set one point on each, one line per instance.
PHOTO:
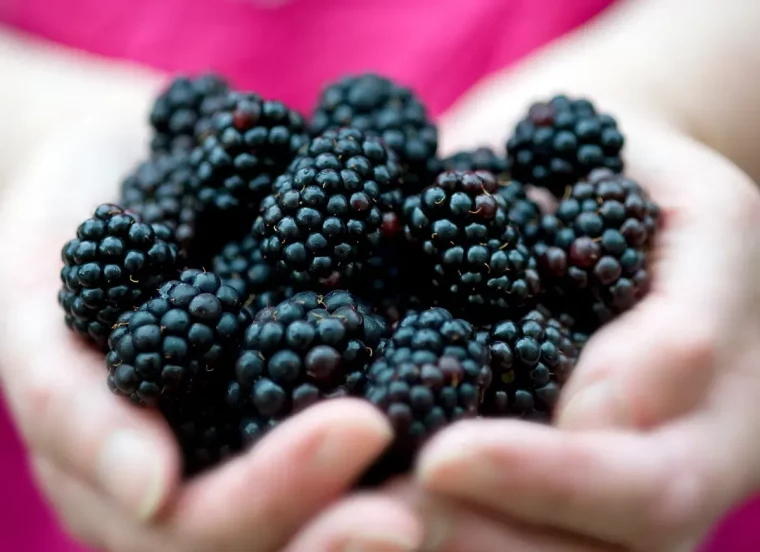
(479, 159)
(479, 262)
(241, 265)
(183, 339)
(561, 141)
(159, 191)
(594, 249)
(115, 263)
(432, 372)
(325, 217)
(181, 115)
(530, 359)
(375, 104)
(523, 211)
(252, 141)
(207, 430)
(306, 349)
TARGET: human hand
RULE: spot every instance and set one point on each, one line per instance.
(111, 470)
(658, 426)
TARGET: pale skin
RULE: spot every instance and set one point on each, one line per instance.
(657, 430)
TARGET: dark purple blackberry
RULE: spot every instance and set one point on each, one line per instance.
(251, 142)
(325, 218)
(159, 191)
(306, 349)
(114, 264)
(562, 140)
(181, 115)
(530, 359)
(462, 226)
(207, 430)
(479, 159)
(241, 266)
(523, 211)
(594, 248)
(432, 372)
(183, 339)
(374, 104)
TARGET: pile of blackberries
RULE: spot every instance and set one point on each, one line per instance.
(258, 262)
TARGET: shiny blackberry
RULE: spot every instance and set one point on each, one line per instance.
(251, 142)
(181, 115)
(293, 356)
(183, 339)
(206, 429)
(432, 372)
(159, 191)
(531, 359)
(375, 104)
(241, 266)
(562, 140)
(594, 248)
(479, 159)
(115, 262)
(461, 225)
(324, 219)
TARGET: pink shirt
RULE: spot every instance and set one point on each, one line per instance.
(287, 49)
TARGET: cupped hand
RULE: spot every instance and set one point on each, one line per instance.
(657, 429)
(111, 470)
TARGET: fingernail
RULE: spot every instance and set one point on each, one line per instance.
(131, 473)
(382, 542)
(452, 465)
(374, 431)
(438, 527)
(595, 407)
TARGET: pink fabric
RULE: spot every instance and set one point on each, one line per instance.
(288, 49)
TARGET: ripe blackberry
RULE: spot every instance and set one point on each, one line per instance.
(595, 246)
(432, 372)
(561, 141)
(325, 219)
(308, 348)
(181, 115)
(182, 339)
(115, 263)
(207, 430)
(523, 211)
(251, 142)
(158, 190)
(531, 359)
(462, 225)
(479, 159)
(241, 266)
(374, 104)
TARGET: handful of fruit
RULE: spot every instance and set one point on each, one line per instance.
(258, 263)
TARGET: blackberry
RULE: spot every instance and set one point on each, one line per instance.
(479, 159)
(461, 223)
(158, 190)
(531, 359)
(251, 142)
(594, 248)
(375, 104)
(432, 371)
(207, 430)
(181, 115)
(325, 218)
(181, 340)
(241, 266)
(115, 262)
(306, 349)
(523, 211)
(562, 140)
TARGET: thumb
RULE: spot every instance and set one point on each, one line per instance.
(659, 360)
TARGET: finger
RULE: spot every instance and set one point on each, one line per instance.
(613, 486)
(262, 498)
(659, 360)
(367, 523)
(454, 526)
(57, 390)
